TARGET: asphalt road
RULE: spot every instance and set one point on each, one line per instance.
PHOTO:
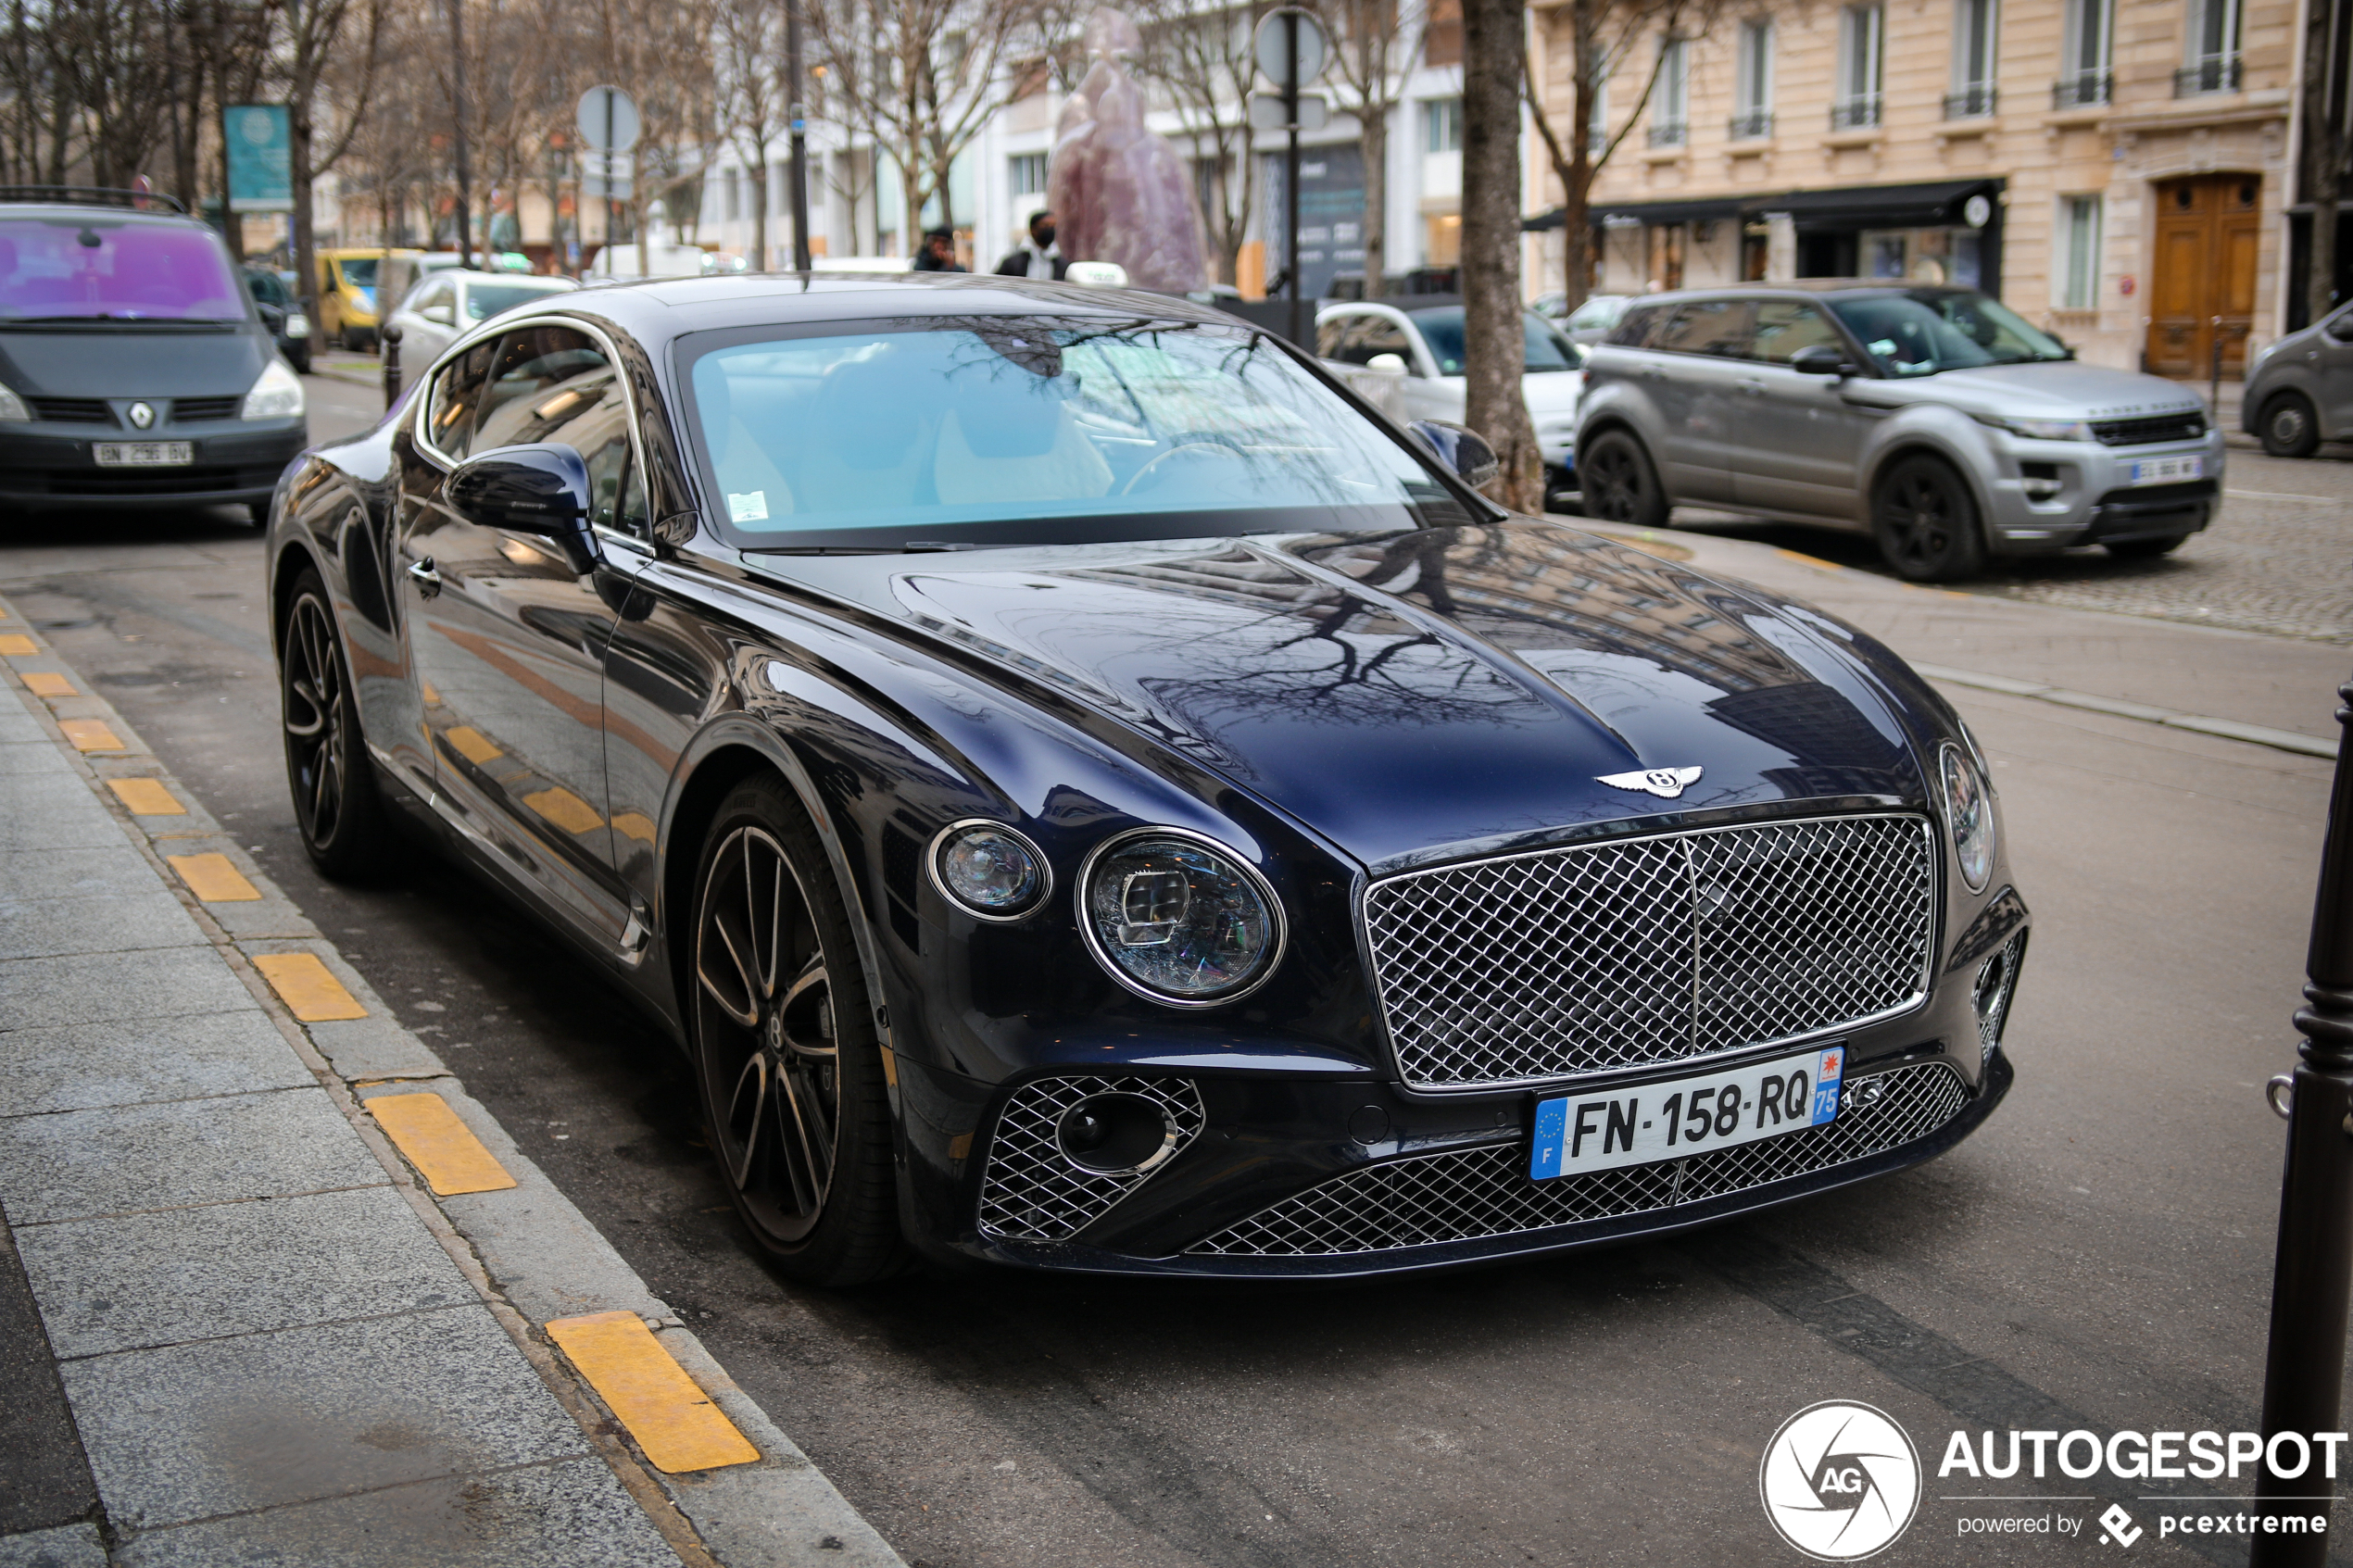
(2098, 1256)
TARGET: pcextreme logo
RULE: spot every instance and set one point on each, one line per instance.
(1840, 1481)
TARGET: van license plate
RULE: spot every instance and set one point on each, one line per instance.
(143, 454)
(2167, 471)
(1579, 1133)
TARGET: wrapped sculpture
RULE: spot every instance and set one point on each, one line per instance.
(1120, 192)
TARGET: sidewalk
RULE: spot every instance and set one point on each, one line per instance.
(273, 1288)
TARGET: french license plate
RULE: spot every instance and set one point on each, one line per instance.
(2165, 470)
(143, 454)
(1579, 1134)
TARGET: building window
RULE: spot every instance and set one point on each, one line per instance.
(1597, 134)
(2084, 77)
(1973, 60)
(2080, 222)
(1442, 125)
(1671, 97)
(1028, 174)
(2212, 64)
(1753, 88)
(1861, 30)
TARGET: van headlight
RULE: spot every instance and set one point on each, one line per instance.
(297, 324)
(1179, 918)
(1968, 814)
(277, 395)
(12, 408)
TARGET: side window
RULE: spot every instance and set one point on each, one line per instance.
(1634, 327)
(1718, 328)
(1332, 335)
(457, 392)
(543, 376)
(434, 294)
(1382, 334)
(1785, 326)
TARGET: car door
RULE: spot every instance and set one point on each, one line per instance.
(1692, 373)
(508, 639)
(2332, 365)
(1801, 443)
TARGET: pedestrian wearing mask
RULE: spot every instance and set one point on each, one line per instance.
(1038, 258)
(939, 254)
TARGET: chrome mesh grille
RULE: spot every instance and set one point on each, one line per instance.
(1996, 983)
(1030, 1192)
(1467, 1194)
(1620, 953)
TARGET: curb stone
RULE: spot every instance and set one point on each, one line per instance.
(529, 1252)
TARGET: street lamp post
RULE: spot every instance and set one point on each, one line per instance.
(458, 83)
(2304, 1368)
(800, 257)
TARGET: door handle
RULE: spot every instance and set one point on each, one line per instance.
(427, 580)
(1653, 372)
(1754, 388)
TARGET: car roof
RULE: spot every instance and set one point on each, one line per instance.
(475, 274)
(1815, 287)
(71, 211)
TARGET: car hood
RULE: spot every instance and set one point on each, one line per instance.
(1416, 695)
(1553, 391)
(2063, 391)
(114, 361)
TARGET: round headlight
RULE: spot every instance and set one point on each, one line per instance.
(1968, 816)
(1179, 919)
(990, 870)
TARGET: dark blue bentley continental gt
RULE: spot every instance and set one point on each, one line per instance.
(1088, 794)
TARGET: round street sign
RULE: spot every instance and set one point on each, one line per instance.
(1269, 45)
(600, 106)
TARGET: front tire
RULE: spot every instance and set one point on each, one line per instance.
(1619, 483)
(1925, 521)
(343, 825)
(2288, 426)
(793, 1091)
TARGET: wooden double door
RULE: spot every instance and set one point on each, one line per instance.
(2208, 234)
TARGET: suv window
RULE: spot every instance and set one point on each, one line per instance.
(1718, 328)
(450, 418)
(1634, 327)
(1786, 326)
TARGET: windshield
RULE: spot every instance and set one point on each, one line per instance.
(1016, 429)
(1932, 329)
(359, 272)
(486, 300)
(1547, 350)
(268, 288)
(1600, 310)
(113, 267)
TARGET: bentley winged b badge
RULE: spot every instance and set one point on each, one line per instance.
(1664, 783)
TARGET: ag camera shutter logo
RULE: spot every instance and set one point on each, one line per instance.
(1840, 1481)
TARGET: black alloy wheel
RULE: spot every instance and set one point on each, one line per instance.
(1925, 521)
(343, 825)
(785, 1046)
(1619, 483)
(2288, 426)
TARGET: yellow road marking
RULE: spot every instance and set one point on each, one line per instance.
(43, 683)
(147, 797)
(307, 988)
(471, 744)
(213, 879)
(635, 824)
(443, 1148)
(666, 1411)
(90, 734)
(432, 699)
(16, 644)
(565, 809)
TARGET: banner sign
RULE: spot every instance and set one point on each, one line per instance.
(260, 173)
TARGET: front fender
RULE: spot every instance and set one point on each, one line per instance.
(1940, 433)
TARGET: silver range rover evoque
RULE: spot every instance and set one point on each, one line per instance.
(1934, 419)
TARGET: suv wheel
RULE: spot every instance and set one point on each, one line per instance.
(1925, 521)
(1618, 483)
(2288, 427)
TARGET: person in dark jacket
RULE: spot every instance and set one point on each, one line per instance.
(939, 254)
(1039, 258)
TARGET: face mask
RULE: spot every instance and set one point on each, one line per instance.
(1044, 235)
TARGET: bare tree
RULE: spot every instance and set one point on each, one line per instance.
(1200, 50)
(315, 33)
(754, 98)
(1495, 347)
(1375, 43)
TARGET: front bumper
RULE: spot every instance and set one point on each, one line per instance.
(2054, 494)
(51, 464)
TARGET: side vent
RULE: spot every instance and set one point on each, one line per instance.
(1066, 1149)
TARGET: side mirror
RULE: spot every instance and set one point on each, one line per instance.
(540, 489)
(1387, 362)
(441, 314)
(1821, 360)
(2341, 329)
(1461, 448)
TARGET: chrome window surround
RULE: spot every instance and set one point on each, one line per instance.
(1031, 1191)
(1226, 851)
(1045, 871)
(1467, 976)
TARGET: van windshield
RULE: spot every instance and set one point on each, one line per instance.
(108, 267)
(1923, 331)
(1547, 350)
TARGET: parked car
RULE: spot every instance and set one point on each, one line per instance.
(1425, 339)
(135, 368)
(2299, 392)
(663, 260)
(289, 324)
(1083, 796)
(1591, 321)
(449, 301)
(348, 279)
(1933, 419)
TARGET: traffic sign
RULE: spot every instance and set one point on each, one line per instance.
(1271, 45)
(1266, 112)
(595, 167)
(607, 120)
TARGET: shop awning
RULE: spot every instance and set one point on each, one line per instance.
(1880, 207)
(1600, 214)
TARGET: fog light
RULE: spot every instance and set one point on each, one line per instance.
(1996, 983)
(1116, 1134)
(989, 869)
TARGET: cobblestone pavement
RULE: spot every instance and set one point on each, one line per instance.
(2279, 559)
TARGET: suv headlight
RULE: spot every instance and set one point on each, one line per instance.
(12, 407)
(2039, 430)
(1968, 814)
(297, 324)
(277, 395)
(1179, 918)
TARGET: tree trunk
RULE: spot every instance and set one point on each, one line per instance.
(1577, 189)
(299, 132)
(2323, 157)
(1494, 344)
(1372, 138)
(760, 213)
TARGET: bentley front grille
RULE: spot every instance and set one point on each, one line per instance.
(1624, 953)
(1467, 1194)
(1032, 1191)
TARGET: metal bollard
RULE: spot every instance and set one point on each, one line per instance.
(2304, 1367)
(390, 336)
